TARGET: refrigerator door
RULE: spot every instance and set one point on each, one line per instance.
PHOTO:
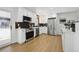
(51, 27)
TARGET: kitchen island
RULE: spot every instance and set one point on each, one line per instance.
(67, 40)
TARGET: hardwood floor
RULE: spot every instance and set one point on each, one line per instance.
(42, 43)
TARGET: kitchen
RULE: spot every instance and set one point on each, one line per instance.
(31, 22)
(34, 26)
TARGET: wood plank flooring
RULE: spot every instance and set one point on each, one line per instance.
(42, 43)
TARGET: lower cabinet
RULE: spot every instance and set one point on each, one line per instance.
(42, 30)
(37, 32)
(21, 36)
(67, 41)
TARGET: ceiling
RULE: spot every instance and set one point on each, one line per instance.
(52, 10)
(47, 10)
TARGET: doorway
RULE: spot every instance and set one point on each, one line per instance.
(51, 26)
(5, 29)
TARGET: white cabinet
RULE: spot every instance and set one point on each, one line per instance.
(34, 19)
(21, 36)
(42, 30)
(67, 41)
(34, 32)
(76, 42)
(76, 38)
(43, 19)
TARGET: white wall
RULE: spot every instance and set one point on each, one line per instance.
(4, 14)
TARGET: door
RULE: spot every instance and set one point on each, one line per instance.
(51, 26)
(5, 29)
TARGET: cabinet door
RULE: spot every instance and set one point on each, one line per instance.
(76, 42)
(43, 30)
(68, 42)
(21, 35)
(43, 19)
(40, 30)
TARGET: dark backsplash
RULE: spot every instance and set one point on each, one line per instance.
(22, 25)
(42, 24)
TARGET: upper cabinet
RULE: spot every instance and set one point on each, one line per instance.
(42, 19)
(25, 12)
(21, 12)
(33, 17)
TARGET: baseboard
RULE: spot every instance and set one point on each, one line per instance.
(6, 44)
(13, 42)
(3, 45)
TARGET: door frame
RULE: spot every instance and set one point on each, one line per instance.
(10, 26)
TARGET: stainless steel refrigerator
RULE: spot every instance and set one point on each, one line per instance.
(51, 26)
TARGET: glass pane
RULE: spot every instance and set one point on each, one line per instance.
(4, 22)
(5, 32)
